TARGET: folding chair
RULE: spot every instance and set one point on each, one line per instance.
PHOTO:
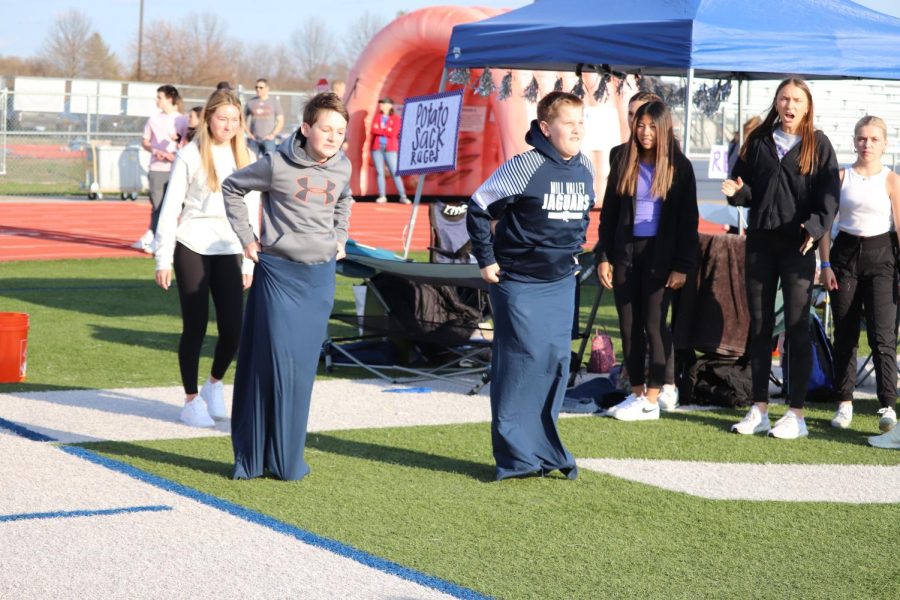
(450, 241)
(415, 307)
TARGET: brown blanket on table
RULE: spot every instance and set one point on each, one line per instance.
(712, 314)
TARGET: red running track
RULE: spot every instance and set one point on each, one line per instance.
(49, 230)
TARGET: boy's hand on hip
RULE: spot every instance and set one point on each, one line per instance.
(341, 252)
(252, 251)
(491, 273)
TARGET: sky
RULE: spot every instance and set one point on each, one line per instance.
(25, 23)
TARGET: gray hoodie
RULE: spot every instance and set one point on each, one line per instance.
(306, 204)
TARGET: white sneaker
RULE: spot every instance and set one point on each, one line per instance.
(889, 440)
(380, 199)
(789, 427)
(755, 421)
(144, 241)
(405, 200)
(214, 396)
(888, 419)
(195, 414)
(629, 399)
(639, 410)
(843, 416)
(668, 398)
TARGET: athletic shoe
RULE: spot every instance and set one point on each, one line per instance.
(145, 242)
(843, 416)
(214, 396)
(405, 200)
(888, 419)
(755, 421)
(639, 410)
(889, 440)
(380, 199)
(195, 414)
(668, 398)
(629, 399)
(789, 427)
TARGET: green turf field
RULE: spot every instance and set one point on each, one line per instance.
(424, 496)
(104, 323)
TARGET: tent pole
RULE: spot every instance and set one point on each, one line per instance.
(741, 224)
(419, 187)
(686, 142)
(740, 113)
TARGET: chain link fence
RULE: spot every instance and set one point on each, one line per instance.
(56, 134)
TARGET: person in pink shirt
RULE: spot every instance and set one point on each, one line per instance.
(161, 136)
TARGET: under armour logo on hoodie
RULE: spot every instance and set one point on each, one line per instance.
(309, 189)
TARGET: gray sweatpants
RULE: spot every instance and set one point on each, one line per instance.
(159, 181)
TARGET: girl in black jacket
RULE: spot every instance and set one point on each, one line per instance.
(648, 243)
(787, 173)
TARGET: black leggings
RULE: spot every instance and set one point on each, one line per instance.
(864, 268)
(770, 257)
(198, 275)
(642, 301)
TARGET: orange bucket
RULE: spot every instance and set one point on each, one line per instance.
(13, 346)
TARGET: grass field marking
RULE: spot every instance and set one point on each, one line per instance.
(67, 514)
(855, 484)
(24, 432)
(257, 518)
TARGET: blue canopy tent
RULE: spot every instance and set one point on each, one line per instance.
(724, 39)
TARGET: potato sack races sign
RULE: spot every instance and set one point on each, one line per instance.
(429, 133)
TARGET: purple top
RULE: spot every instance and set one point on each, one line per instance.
(647, 207)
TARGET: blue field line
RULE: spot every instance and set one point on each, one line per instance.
(258, 518)
(65, 514)
(24, 432)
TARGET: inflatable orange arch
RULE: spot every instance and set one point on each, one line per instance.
(406, 59)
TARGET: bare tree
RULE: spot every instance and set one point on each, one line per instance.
(272, 62)
(65, 43)
(359, 34)
(31, 66)
(100, 61)
(313, 52)
(198, 52)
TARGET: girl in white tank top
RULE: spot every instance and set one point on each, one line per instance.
(865, 209)
(864, 275)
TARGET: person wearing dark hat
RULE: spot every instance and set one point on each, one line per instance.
(224, 85)
(385, 145)
(264, 120)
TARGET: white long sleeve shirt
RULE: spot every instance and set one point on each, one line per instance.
(194, 215)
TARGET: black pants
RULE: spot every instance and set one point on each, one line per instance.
(772, 257)
(198, 275)
(865, 269)
(642, 301)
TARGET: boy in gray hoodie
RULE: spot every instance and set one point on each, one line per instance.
(306, 203)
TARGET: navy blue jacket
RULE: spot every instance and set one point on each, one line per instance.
(542, 204)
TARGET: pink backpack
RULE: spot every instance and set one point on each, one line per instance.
(603, 355)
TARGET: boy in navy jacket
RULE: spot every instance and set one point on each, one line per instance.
(527, 222)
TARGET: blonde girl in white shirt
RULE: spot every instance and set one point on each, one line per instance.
(195, 238)
(859, 270)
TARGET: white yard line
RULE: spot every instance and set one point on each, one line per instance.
(182, 549)
(745, 481)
